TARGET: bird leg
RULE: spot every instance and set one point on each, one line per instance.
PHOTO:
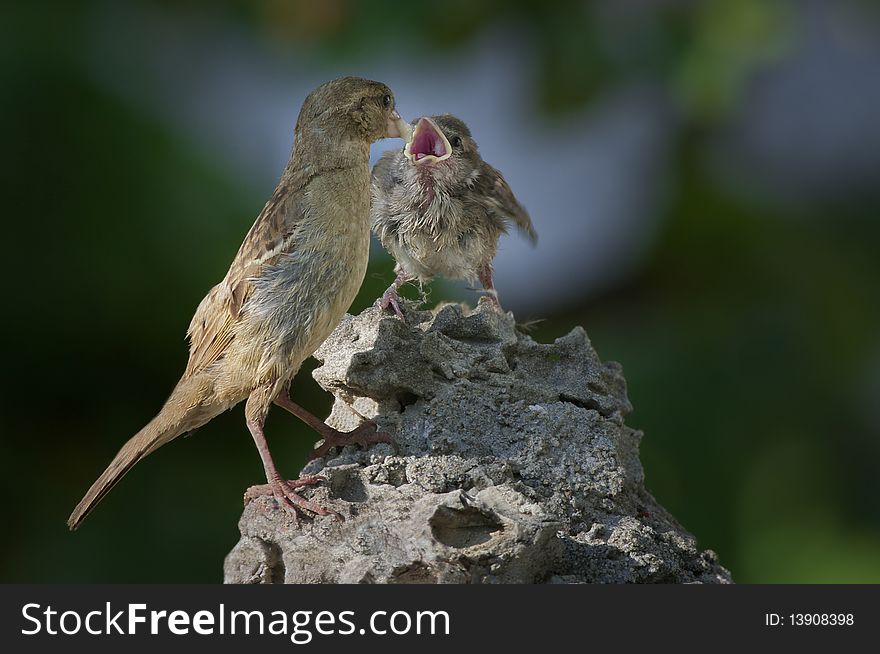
(391, 298)
(485, 275)
(364, 434)
(283, 490)
(266, 489)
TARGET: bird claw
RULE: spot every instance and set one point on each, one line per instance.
(284, 492)
(365, 434)
(491, 297)
(390, 299)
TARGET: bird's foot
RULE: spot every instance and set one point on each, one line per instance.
(365, 434)
(491, 297)
(391, 300)
(284, 492)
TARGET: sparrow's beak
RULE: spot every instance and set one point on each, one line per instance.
(428, 145)
(397, 127)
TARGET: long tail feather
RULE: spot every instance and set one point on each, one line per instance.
(180, 414)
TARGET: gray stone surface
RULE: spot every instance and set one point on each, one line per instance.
(512, 463)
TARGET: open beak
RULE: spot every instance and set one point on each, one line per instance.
(397, 127)
(428, 145)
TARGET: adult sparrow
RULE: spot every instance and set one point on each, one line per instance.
(439, 209)
(297, 271)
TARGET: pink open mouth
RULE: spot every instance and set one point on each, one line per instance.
(429, 144)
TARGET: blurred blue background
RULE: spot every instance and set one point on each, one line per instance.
(704, 177)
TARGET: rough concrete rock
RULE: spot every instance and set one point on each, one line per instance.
(512, 463)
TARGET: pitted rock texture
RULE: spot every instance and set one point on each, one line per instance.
(512, 464)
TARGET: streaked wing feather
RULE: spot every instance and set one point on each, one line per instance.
(501, 200)
(212, 329)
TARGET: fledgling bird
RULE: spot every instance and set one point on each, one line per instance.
(296, 273)
(439, 209)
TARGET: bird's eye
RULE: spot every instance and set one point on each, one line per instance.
(386, 101)
(455, 141)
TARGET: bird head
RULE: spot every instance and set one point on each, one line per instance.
(351, 108)
(443, 147)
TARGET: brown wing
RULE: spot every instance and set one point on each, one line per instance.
(500, 199)
(212, 328)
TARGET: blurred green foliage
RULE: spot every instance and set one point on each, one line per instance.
(748, 337)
